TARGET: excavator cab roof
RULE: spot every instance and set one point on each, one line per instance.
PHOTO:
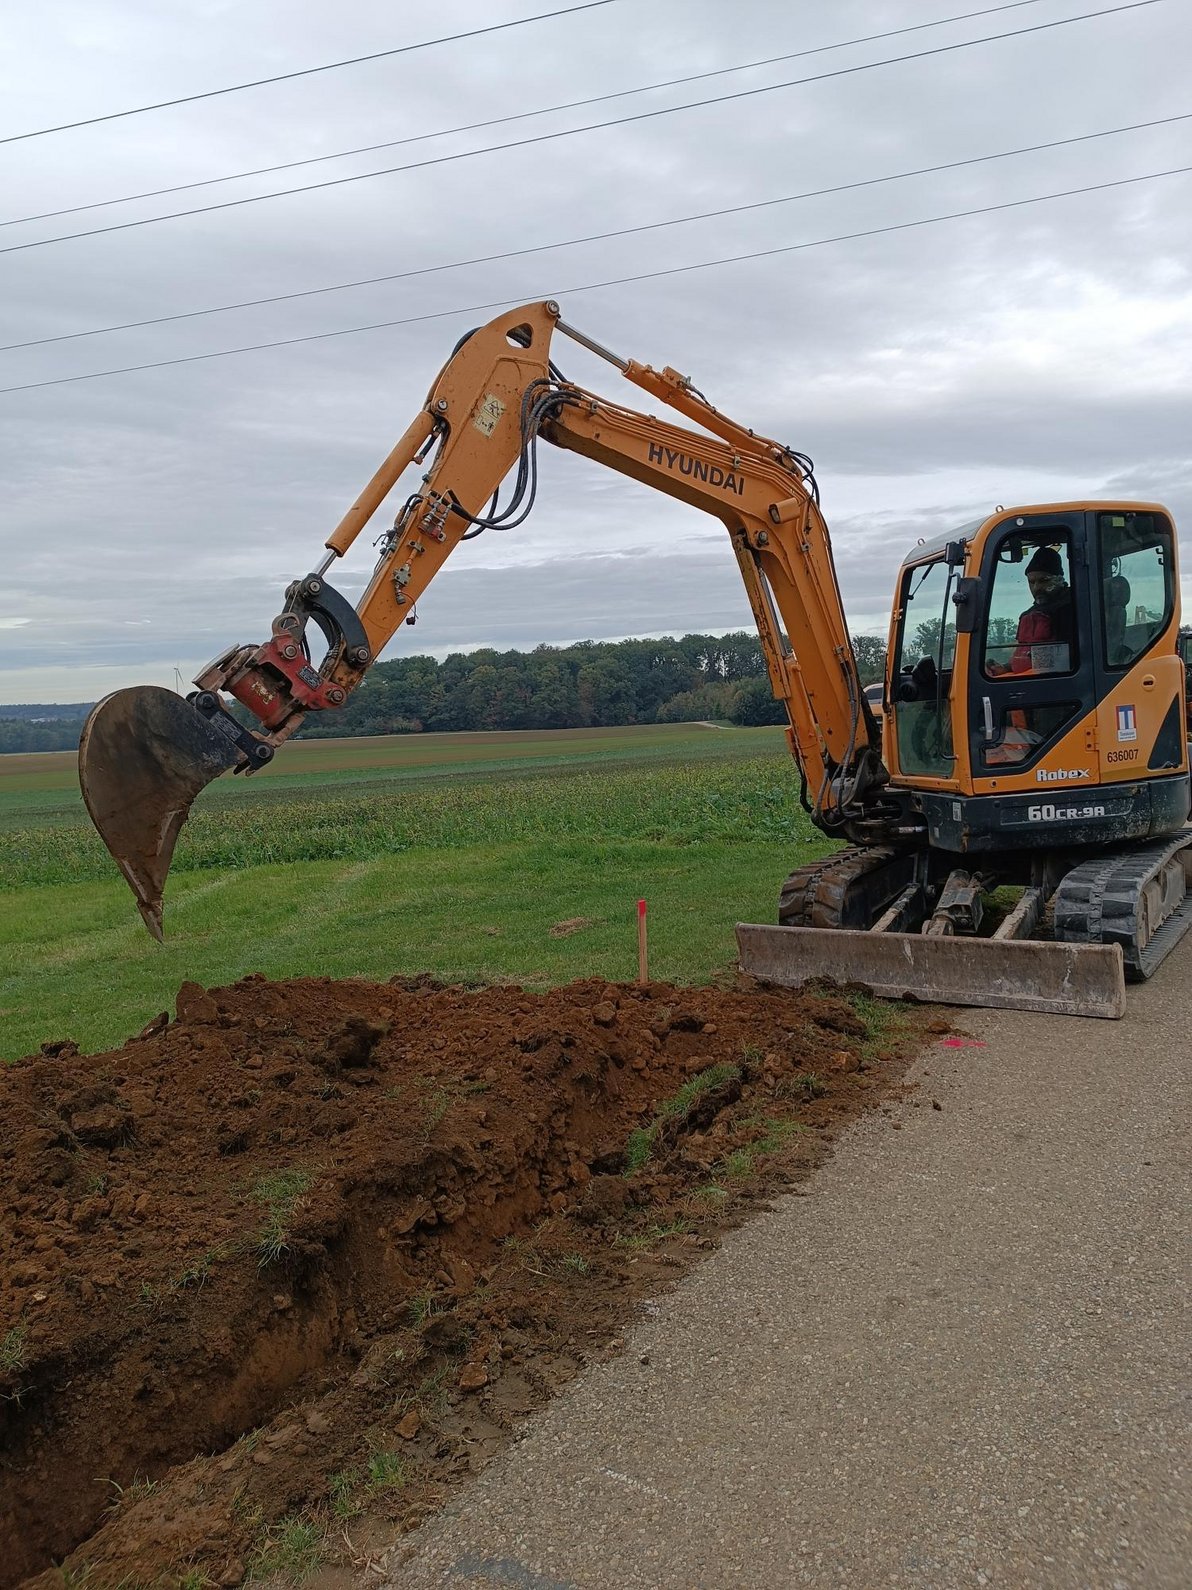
(927, 551)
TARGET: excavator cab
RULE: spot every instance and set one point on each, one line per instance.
(1035, 653)
(1034, 742)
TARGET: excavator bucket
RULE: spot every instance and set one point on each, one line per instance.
(1006, 974)
(144, 755)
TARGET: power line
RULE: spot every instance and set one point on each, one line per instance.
(598, 237)
(307, 71)
(500, 121)
(615, 281)
(571, 132)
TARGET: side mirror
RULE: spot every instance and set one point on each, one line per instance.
(964, 598)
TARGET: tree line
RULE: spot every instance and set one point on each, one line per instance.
(48, 734)
(593, 684)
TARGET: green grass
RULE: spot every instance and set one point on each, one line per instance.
(136, 1490)
(808, 1086)
(12, 1350)
(738, 1163)
(422, 1306)
(195, 1275)
(882, 1020)
(747, 799)
(387, 1471)
(457, 867)
(342, 1490)
(352, 1489)
(773, 1136)
(640, 1241)
(39, 792)
(291, 1550)
(279, 1193)
(639, 1145)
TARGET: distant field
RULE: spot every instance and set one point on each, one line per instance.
(40, 792)
(455, 854)
(27, 779)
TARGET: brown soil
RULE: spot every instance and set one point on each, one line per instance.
(279, 1271)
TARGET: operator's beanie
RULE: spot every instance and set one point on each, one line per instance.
(1045, 561)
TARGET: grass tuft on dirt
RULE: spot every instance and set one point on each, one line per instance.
(639, 1145)
(290, 1550)
(279, 1192)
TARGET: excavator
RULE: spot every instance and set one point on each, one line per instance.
(1012, 834)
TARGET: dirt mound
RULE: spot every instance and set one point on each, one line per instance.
(295, 1259)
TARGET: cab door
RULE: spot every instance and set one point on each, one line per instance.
(922, 672)
(1142, 680)
(1032, 673)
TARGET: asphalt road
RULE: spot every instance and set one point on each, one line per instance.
(959, 1359)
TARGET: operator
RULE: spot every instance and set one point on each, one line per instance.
(1048, 621)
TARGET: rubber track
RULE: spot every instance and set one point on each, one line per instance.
(817, 895)
(1098, 903)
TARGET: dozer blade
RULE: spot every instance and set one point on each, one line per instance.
(1006, 974)
(144, 755)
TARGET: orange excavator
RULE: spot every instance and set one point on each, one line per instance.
(1032, 734)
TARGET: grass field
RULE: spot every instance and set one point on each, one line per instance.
(513, 856)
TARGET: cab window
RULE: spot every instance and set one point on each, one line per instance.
(926, 649)
(1031, 624)
(1030, 633)
(1137, 583)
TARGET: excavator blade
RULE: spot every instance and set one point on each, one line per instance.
(144, 755)
(1006, 974)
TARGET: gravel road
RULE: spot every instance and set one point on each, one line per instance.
(958, 1359)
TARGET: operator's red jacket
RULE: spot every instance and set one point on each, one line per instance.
(1038, 626)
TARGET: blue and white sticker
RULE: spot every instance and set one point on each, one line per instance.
(1127, 726)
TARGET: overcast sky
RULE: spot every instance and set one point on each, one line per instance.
(151, 519)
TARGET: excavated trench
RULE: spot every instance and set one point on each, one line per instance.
(311, 1249)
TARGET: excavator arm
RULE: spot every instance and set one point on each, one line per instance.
(145, 753)
(493, 400)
